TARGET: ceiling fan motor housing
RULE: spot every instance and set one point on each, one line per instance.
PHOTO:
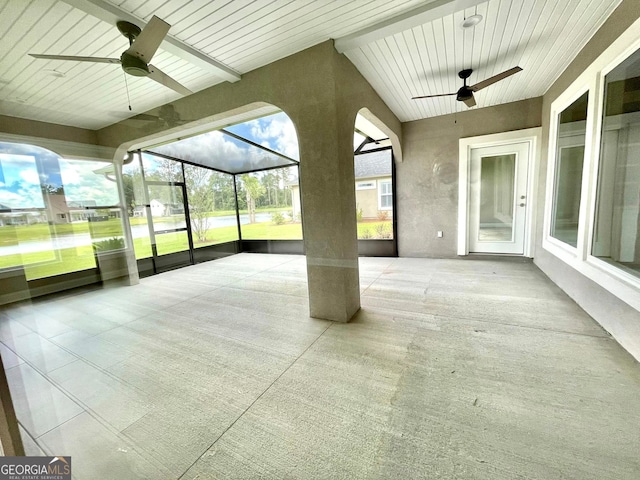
(133, 65)
(465, 93)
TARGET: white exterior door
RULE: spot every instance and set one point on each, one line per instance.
(498, 202)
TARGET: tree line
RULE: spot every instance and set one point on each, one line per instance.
(209, 191)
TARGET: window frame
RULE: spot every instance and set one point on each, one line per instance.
(558, 247)
(622, 284)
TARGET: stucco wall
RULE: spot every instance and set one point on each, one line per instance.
(22, 126)
(618, 318)
(427, 178)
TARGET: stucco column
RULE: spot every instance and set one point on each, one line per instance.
(325, 137)
(321, 91)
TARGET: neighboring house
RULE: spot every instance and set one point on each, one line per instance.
(81, 210)
(9, 217)
(374, 191)
(160, 209)
(57, 208)
(139, 211)
(157, 208)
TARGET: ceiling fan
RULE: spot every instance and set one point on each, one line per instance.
(135, 60)
(167, 116)
(465, 93)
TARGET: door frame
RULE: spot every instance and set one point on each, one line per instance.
(152, 231)
(531, 136)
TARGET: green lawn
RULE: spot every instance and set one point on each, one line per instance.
(48, 263)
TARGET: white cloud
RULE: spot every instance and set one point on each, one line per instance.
(27, 196)
(81, 183)
(279, 134)
(30, 176)
(217, 150)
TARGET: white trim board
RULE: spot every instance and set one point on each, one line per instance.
(532, 136)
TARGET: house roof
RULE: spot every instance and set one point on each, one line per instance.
(374, 164)
(367, 165)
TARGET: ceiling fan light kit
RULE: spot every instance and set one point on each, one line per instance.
(133, 65)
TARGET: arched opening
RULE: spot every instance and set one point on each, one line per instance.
(215, 192)
(374, 171)
(78, 218)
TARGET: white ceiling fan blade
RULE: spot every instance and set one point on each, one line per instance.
(145, 45)
(470, 102)
(495, 78)
(76, 59)
(159, 76)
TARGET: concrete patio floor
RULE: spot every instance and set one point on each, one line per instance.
(453, 369)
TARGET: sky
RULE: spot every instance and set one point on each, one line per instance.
(19, 182)
(23, 168)
(82, 183)
(216, 149)
(275, 132)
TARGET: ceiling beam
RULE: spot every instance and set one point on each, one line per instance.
(405, 21)
(109, 13)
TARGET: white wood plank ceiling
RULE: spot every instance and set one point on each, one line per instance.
(542, 36)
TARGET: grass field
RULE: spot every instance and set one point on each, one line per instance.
(55, 262)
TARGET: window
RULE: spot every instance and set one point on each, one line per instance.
(616, 235)
(567, 187)
(592, 207)
(55, 212)
(386, 196)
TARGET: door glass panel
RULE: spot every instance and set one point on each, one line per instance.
(168, 218)
(172, 242)
(167, 207)
(497, 179)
